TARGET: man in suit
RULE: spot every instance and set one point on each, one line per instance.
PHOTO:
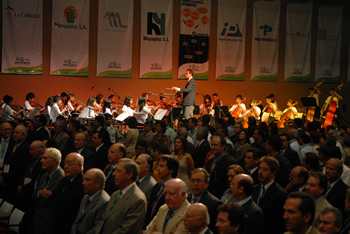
(145, 181)
(336, 194)
(147, 134)
(330, 221)
(189, 94)
(99, 124)
(40, 131)
(45, 188)
(199, 194)
(288, 152)
(5, 133)
(169, 216)
(16, 160)
(167, 170)
(126, 210)
(196, 219)
(270, 196)
(80, 141)
(231, 219)
(116, 152)
(316, 186)
(202, 148)
(297, 179)
(101, 150)
(242, 187)
(217, 166)
(60, 136)
(299, 213)
(251, 163)
(69, 195)
(93, 204)
(193, 129)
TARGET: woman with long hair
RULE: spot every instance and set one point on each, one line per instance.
(241, 147)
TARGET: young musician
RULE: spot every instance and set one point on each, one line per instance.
(269, 108)
(254, 111)
(216, 100)
(315, 93)
(55, 110)
(207, 107)
(143, 110)
(27, 106)
(127, 103)
(291, 109)
(333, 96)
(8, 114)
(240, 105)
(89, 111)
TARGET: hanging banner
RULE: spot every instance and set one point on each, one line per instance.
(194, 38)
(298, 41)
(266, 17)
(328, 43)
(231, 39)
(114, 43)
(22, 36)
(349, 65)
(70, 38)
(156, 39)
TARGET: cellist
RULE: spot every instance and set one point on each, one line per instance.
(291, 109)
(239, 108)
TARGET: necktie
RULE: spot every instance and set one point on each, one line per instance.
(110, 172)
(117, 199)
(14, 148)
(261, 194)
(159, 194)
(194, 200)
(167, 219)
(213, 165)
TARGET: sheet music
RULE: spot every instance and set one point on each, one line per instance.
(160, 114)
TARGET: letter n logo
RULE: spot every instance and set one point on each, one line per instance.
(155, 23)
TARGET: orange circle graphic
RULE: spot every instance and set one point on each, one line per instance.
(186, 12)
(205, 19)
(71, 8)
(202, 10)
(194, 15)
(189, 23)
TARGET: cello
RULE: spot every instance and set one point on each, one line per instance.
(236, 113)
(332, 108)
(311, 110)
(250, 113)
(286, 116)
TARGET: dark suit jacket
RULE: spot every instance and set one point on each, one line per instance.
(61, 141)
(110, 186)
(101, 157)
(282, 176)
(200, 154)
(212, 204)
(147, 185)
(90, 214)
(336, 196)
(68, 198)
(272, 206)
(127, 215)
(255, 177)
(41, 135)
(255, 219)
(189, 93)
(218, 178)
(106, 136)
(89, 159)
(153, 199)
(292, 156)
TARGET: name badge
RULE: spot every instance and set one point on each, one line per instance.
(6, 168)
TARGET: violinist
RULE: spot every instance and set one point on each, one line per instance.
(55, 111)
(206, 107)
(216, 100)
(8, 113)
(71, 104)
(27, 104)
(127, 106)
(89, 111)
(143, 111)
(49, 104)
(107, 107)
(178, 100)
(99, 102)
(239, 106)
(290, 109)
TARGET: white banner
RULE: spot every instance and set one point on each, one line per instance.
(266, 18)
(194, 38)
(70, 38)
(156, 39)
(328, 43)
(114, 43)
(231, 39)
(22, 36)
(298, 41)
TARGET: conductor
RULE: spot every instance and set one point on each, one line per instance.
(189, 94)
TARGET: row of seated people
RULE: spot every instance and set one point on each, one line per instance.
(216, 160)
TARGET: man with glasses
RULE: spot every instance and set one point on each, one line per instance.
(200, 194)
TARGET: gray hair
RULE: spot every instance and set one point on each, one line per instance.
(130, 166)
(293, 133)
(23, 129)
(338, 217)
(100, 177)
(55, 154)
(37, 144)
(203, 131)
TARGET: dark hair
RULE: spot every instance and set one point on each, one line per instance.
(184, 143)
(132, 122)
(143, 143)
(307, 205)
(194, 120)
(305, 136)
(322, 178)
(163, 149)
(99, 98)
(274, 129)
(272, 162)
(142, 103)
(222, 139)
(207, 96)
(162, 125)
(56, 98)
(311, 159)
(275, 142)
(127, 100)
(106, 104)
(41, 119)
(236, 215)
(298, 122)
(256, 152)
(190, 71)
(172, 164)
(91, 101)
(100, 119)
(239, 96)
(285, 135)
(30, 96)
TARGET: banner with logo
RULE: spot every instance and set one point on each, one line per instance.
(114, 43)
(266, 18)
(70, 38)
(156, 39)
(298, 41)
(328, 43)
(230, 39)
(194, 38)
(22, 36)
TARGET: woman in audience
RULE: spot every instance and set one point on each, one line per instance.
(131, 137)
(232, 171)
(241, 147)
(157, 151)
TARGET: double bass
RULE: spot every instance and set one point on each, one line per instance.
(332, 108)
(311, 110)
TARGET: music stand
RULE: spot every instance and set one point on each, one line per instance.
(33, 113)
(176, 112)
(308, 101)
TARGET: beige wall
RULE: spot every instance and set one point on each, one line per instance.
(43, 86)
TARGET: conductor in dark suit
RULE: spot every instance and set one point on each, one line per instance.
(126, 210)
(189, 94)
(242, 187)
(199, 193)
(270, 196)
(93, 204)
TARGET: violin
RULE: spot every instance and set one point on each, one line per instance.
(36, 104)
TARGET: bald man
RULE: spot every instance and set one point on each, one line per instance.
(196, 219)
(242, 188)
(70, 193)
(173, 210)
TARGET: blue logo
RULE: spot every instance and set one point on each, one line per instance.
(114, 20)
(233, 31)
(266, 29)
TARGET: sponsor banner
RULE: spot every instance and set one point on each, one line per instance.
(231, 39)
(22, 36)
(298, 41)
(328, 43)
(114, 47)
(70, 38)
(264, 65)
(194, 38)
(156, 39)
